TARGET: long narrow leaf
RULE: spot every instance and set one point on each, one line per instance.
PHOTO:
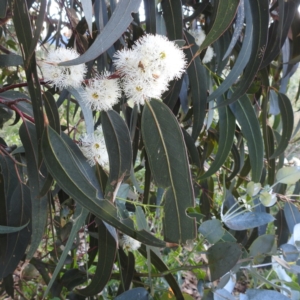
(118, 143)
(39, 205)
(107, 247)
(245, 115)
(225, 14)
(226, 136)
(260, 20)
(242, 59)
(287, 119)
(169, 165)
(197, 78)
(63, 166)
(117, 24)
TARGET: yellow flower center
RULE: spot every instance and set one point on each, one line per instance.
(138, 88)
(95, 95)
(162, 55)
(96, 145)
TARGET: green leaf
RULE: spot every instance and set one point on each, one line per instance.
(138, 293)
(292, 215)
(279, 30)
(38, 26)
(197, 78)
(260, 20)
(290, 252)
(225, 13)
(118, 143)
(172, 13)
(265, 294)
(226, 136)
(169, 165)
(262, 245)
(282, 230)
(248, 220)
(14, 213)
(241, 60)
(107, 247)
(170, 97)
(67, 168)
(222, 257)
(245, 115)
(52, 111)
(22, 22)
(220, 46)
(116, 26)
(87, 112)
(288, 175)
(10, 60)
(150, 14)
(162, 267)
(10, 229)
(238, 27)
(3, 6)
(87, 7)
(287, 120)
(212, 230)
(126, 265)
(39, 205)
(78, 220)
(192, 150)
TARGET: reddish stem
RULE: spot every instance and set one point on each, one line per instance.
(22, 115)
(18, 85)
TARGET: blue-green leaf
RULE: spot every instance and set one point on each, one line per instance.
(11, 229)
(287, 120)
(118, 143)
(10, 60)
(116, 26)
(241, 61)
(169, 165)
(39, 205)
(197, 78)
(107, 246)
(245, 115)
(225, 14)
(66, 167)
(226, 136)
(260, 21)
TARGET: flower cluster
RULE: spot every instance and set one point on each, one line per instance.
(94, 149)
(60, 76)
(147, 69)
(129, 243)
(199, 36)
(102, 92)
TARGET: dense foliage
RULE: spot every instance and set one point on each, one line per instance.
(151, 154)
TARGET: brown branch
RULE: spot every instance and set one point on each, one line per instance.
(18, 85)
(5, 50)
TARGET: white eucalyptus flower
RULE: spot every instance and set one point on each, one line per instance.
(209, 54)
(199, 36)
(102, 93)
(149, 66)
(129, 243)
(161, 55)
(94, 149)
(60, 76)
